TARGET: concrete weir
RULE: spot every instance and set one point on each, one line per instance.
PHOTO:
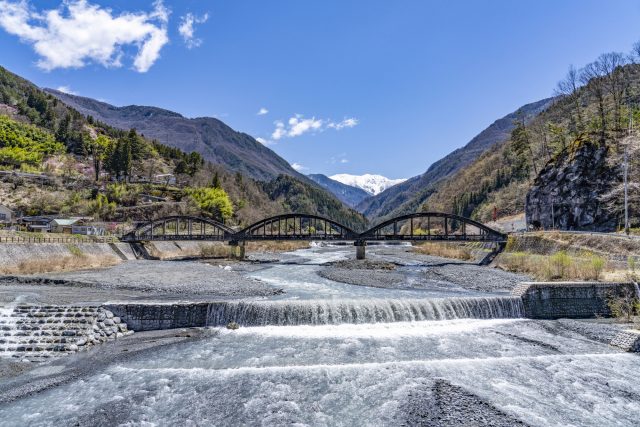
(573, 300)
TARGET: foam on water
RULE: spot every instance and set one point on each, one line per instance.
(362, 375)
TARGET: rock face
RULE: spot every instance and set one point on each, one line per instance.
(566, 194)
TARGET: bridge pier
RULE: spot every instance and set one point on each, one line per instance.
(361, 246)
(238, 249)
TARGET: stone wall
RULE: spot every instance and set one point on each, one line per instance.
(38, 332)
(554, 300)
(151, 317)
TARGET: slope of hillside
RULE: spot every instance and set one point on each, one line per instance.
(564, 167)
(42, 135)
(349, 195)
(297, 196)
(411, 194)
(372, 184)
(210, 137)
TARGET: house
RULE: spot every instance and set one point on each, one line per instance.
(148, 198)
(36, 223)
(165, 178)
(6, 215)
(63, 225)
(88, 229)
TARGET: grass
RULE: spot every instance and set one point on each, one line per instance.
(276, 246)
(444, 250)
(558, 266)
(61, 263)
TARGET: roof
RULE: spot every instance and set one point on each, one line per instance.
(61, 221)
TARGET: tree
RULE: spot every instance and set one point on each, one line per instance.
(592, 76)
(568, 88)
(119, 159)
(635, 52)
(612, 67)
(213, 201)
(215, 182)
(521, 145)
(97, 148)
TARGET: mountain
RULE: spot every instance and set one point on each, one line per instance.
(39, 132)
(210, 137)
(372, 184)
(409, 195)
(349, 195)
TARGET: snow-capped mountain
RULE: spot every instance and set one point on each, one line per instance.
(372, 184)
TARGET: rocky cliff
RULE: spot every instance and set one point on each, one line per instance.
(567, 192)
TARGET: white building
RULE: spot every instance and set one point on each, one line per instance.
(6, 215)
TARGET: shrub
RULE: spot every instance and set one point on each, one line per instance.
(560, 262)
(624, 304)
(214, 201)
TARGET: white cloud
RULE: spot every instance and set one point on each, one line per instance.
(346, 123)
(187, 30)
(343, 161)
(298, 125)
(79, 32)
(66, 89)
(265, 142)
(298, 167)
(263, 111)
(279, 131)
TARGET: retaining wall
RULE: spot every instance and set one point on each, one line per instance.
(151, 317)
(555, 300)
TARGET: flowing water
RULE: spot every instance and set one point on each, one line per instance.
(354, 356)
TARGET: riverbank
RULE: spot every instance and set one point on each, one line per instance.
(405, 268)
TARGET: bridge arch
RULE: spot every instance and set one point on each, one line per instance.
(439, 226)
(296, 227)
(180, 228)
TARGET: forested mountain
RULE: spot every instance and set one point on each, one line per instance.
(563, 167)
(348, 194)
(408, 196)
(214, 140)
(92, 168)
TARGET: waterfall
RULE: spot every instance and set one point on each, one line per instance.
(635, 284)
(322, 312)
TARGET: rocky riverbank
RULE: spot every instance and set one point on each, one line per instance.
(403, 269)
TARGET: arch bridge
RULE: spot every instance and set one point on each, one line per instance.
(419, 226)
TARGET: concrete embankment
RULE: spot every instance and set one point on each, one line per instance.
(573, 300)
(27, 258)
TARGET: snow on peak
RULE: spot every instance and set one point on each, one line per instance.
(372, 184)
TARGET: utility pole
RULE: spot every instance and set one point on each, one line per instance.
(626, 177)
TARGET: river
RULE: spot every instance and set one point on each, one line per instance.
(335, 354)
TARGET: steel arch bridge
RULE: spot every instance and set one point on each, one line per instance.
(180, 228)
(419, 226)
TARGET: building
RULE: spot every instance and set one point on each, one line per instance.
(36, 223)
(6, 215)
(88, 229)
(63, 225)
(165, 178)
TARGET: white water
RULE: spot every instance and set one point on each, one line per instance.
(354, 375)
(335, 370)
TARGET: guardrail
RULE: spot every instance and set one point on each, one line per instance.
(47, 239)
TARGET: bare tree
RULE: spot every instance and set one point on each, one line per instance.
(592, 77)
(612, 66)
(635, 53)
(627, 158)
(568, 88)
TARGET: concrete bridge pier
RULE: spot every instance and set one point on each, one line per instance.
(361, 247)
(238, 248)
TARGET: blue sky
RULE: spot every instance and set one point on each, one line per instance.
(362, 86)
